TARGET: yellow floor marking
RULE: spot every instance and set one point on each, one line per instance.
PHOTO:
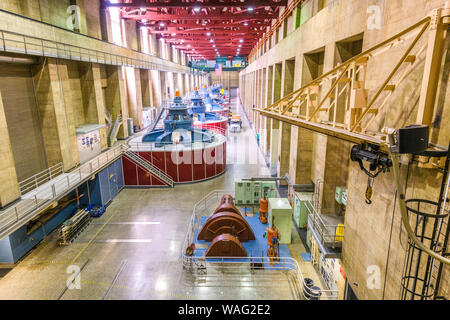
(92, 239)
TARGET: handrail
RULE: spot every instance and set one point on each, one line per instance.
(53, 48)
(327, 232)
(30, 203)
(200, 210)
(40, 178)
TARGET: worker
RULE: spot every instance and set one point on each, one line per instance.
(263, 210)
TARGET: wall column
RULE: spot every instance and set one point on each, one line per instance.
(58, 139)
(134, 92)
(9, 188)
(91, 90)
(116, 97)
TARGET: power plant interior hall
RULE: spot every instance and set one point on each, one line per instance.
(234, 157)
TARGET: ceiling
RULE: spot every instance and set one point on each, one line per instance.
(204, 29)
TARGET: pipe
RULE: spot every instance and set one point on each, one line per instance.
(17, 60)
(403, 209)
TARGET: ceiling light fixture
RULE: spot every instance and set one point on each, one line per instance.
(162, 24)
(197, 9)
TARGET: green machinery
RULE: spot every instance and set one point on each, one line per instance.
(341, 195)
(300, 208)
(249, 192)
(280, 215)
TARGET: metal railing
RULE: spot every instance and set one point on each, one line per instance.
(149, 167)
(21, 43)
(30, 203)
(220, 135)
(40, 178)
(201, 265)
(331, 235)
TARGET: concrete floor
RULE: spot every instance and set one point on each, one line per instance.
(133, 250)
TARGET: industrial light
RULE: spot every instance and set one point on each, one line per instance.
(161, 24)
(208, 34)
(250, 9)
(214, 45)
(144, 20)
(242, 40)
(174, 34)
(211, 40)
(246, 23)
(197, 9)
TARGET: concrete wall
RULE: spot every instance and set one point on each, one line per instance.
(22, 117)
(372, 232)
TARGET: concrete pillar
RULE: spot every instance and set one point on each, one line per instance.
(146, 88)
(91, 90)
(58, 138)
(116, 97)
(70, 107)
(288, 77)
(9, 188)
(155, 79)
(134, 93)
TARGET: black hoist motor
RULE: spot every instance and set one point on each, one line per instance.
(378, 162)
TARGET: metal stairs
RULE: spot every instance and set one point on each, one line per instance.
(158, 124)
(112, 136)
(147, 166)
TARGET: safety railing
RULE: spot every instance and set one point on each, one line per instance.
(219, 137)
(30, 203)
(331, 235)
(40, 178)
(20, 43)
(200, 265)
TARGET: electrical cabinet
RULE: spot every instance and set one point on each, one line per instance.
(251, 192)
(280, 216)
(341, 195)
(301, 209)
(269, 189)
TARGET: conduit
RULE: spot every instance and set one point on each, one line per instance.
(403, 209)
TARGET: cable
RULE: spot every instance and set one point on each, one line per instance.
(389, 246)
(404, 210)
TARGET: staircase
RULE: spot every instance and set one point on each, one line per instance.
(147, 166)
(114, 130)
(158, 124)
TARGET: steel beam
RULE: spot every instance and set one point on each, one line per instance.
(207, 4)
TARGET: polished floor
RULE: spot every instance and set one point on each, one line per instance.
(133, 251)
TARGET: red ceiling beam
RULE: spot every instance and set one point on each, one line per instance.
(181, 3)
(203, 16)
(204, 32)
